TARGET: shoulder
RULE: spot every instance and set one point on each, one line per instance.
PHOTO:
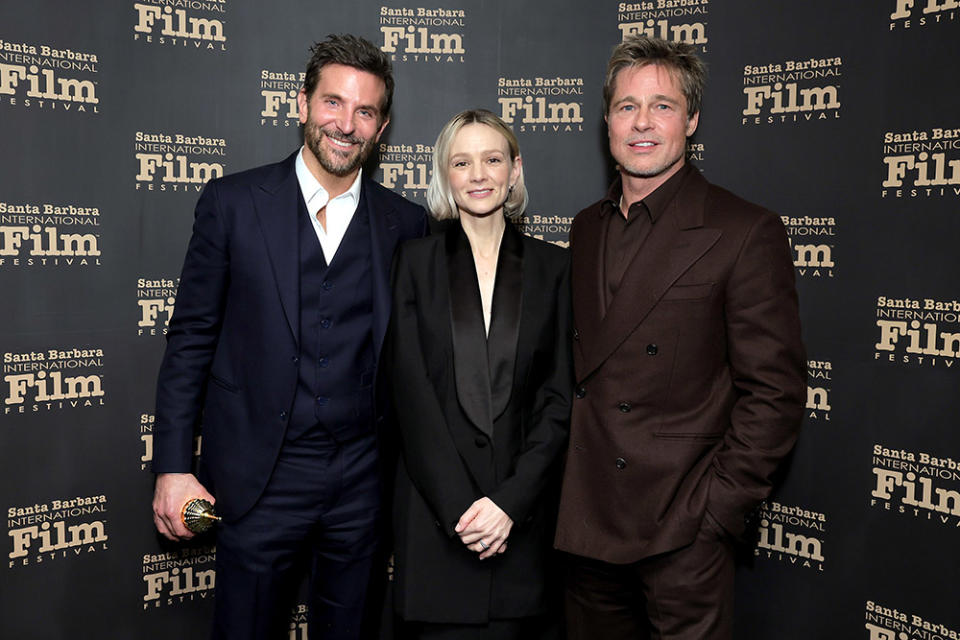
(274, 172)
(586, 215)
(549, 259)
(725, 208)
(383, 197)
(417, 250)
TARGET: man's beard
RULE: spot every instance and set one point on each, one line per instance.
(332, 161)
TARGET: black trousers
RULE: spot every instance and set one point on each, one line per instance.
(686, 594)
(320, 511)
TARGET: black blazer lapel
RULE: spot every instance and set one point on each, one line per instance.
(505, 321)
(470, 364)
(383, 237)
(277, 201)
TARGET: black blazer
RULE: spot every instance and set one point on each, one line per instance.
(477, 417)
(235, 332)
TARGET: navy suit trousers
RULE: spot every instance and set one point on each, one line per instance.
(320, 511)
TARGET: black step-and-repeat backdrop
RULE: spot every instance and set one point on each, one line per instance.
(841, 116)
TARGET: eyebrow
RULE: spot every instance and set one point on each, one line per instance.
(655, 98)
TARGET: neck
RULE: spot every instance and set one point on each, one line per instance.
(484, 232)
(334, 185)
(636, 188)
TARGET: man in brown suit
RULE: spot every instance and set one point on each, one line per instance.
(689, 366)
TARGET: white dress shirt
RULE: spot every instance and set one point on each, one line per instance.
(339, 212)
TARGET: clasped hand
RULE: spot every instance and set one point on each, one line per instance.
(484, 528)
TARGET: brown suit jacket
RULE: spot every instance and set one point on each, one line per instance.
(690, 388)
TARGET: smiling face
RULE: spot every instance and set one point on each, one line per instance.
(647, 124)
(480, 170)
(341, 119)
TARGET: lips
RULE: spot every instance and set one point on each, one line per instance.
(479, 193)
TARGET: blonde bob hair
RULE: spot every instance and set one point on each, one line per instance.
(439, 195)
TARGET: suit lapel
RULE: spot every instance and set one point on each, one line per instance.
(675, 243)
(505, 321)
(277, 202)
(384, 232)
(470, 363)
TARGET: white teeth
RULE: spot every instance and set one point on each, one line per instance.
(643, 144)
(338, 142)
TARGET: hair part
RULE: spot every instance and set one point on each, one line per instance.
(352, 51)
(678, 58)
(440, 200)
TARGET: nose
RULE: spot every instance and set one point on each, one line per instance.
(345, 122)
(642, 120)
(476, 172)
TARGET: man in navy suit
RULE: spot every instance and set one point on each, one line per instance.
(282, 308)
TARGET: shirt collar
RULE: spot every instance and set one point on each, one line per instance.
(314, 195)
(656, 203)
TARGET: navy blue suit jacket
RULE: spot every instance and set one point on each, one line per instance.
(232, 342)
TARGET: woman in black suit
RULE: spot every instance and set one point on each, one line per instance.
(479, 357)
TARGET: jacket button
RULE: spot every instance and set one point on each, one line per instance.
(581, 392)
(295, 359)
(576, 334)
(625, 407)
(621, 463)
(437, 522)
(325, 323)
(327, 285)
(283, 415)
(480, 442)
(652, 349)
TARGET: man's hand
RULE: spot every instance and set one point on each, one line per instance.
(484, 528)
(172, 491)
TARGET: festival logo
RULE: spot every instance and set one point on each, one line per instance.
(553, 229)
(791, 535)
(908, 14)
(278, 90)
(917, 485)
(147, 421)
(298, 623)
(887, 623)
(52, 380)
(177, 162)
(155, 302)
(918, 331)
(543, 105)
(792, 91)
(57, 529)
(405, 169)
(193, 24)
(921, 164)
(418, 34)
(43, 234)
(178, 577)
(811, 244)
(674, 20)
(47, 77)
(819, 378)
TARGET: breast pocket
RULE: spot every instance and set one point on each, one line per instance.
(688, 292)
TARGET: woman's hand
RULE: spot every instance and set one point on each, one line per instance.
(484, 528)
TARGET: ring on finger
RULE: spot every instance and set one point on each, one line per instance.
(483, 547)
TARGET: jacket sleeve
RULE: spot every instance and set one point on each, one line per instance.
(546, 435)
(430, 456)
(192, 336)
(767, 363)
